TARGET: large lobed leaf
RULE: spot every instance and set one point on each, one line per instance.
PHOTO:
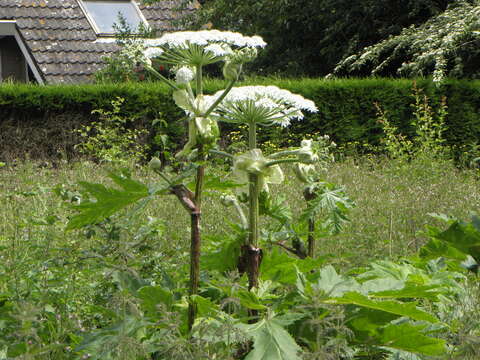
(409, 337)
(108, 200)
(332, 202)
(390, 306)
(271, 341)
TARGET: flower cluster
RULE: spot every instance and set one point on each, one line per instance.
(313, 155)
(183, 39)
(197, 48)
(261, 104)
(254, 162)
(184, 75)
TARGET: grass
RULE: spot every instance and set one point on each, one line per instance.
(393, 201)
(71, 276)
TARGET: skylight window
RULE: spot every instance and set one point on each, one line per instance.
(104, 14)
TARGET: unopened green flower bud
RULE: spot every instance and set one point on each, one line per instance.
(155, 164)
(304, 172)
(245, 55)
(231, 70)
(207, 130)
(184, 75)
(182, 100)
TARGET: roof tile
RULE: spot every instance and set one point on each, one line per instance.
(61, 39)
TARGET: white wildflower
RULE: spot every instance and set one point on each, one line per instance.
(205, 37)
(274, 105)
(218, 50)
(184, 75)
(254, 162)
(179, 47)
(153, 52)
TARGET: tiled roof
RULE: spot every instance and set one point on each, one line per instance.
(62, 41)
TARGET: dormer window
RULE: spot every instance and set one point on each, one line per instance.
(104, 14)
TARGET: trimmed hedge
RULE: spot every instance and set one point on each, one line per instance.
(38, 120)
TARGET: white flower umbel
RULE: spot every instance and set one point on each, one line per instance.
(206, 37)
(197, 48)
(153, 52)
(261, 104)
(219, 50)
(184, 75)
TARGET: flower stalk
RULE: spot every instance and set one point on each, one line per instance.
(251, 252)
(311, 242)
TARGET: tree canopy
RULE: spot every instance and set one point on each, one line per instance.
(308, 37)
(386, 37)
(445, 45)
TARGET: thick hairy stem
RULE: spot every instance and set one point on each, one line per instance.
(252, 258)
(311, 238)
(253, 210)
(253, 191)
(308, 195)
(252, 136)
(199, 178)
(187, 199)
(194, 265)
(252, 252)
(199, 77)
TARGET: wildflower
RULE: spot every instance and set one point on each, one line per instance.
(204, 47)
(184, 75)
(183, 39)
(261, 104)
(153, 52)
(219, 50)
(253, 162)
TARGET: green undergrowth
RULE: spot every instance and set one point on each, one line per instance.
(94, 291)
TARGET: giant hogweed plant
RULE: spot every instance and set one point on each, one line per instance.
(383, 312)
(189, 52)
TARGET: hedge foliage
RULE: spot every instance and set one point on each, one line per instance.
(39, 120)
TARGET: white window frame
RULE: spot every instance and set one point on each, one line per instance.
(93, 24)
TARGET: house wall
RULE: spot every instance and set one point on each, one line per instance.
(12, 61)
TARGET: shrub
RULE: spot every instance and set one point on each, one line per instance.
(346, 111)
(110, 139)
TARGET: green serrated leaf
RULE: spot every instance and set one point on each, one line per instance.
(205, 306)
(250, 300)
(393, 307)
(332, 202)
(335, 285)
(436, 248)
(108, 200)
(409, 337)
(464, 237)
(153, 296)
(411, 291)
(271, 341)
(223, 256)
(278, 266)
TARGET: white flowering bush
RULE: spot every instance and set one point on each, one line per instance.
(446, 45)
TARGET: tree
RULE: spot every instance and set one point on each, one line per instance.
(445, 45)
(309, 37)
